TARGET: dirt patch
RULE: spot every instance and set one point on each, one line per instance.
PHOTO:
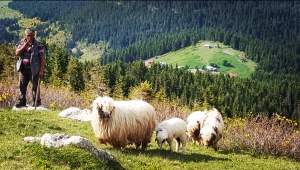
(228, 52)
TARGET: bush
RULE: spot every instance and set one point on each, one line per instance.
(277, 136)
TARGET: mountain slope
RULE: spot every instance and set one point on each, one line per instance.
(266, 31)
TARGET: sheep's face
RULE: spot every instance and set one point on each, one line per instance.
(207, 139)
(161, 136)
(208, 136)
(103, 114)
(104, 108)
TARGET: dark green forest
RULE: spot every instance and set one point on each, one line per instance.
(234, 96)
(267, 31)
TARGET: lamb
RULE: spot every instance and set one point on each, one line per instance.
(174, 128)
(122, 123)
(206, 127)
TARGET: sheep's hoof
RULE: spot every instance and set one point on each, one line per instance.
(117, 148)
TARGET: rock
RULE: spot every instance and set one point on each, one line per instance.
(60, 140)
(76, 114)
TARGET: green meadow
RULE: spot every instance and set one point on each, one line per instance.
(16, 154)
(199, 57)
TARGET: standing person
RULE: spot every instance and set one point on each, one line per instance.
(32, 68)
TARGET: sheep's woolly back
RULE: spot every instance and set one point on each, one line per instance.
(206, 117)
(214, 119)
(130, 122)
(196, 116)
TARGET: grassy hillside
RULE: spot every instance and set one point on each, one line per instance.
(89, 52)
(199, 57)
(8, 12)
(17, 154)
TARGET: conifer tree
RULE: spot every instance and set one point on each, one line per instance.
(75, 75)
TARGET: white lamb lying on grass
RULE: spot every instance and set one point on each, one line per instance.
(174, 128)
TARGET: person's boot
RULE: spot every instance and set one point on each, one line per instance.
(38, 103)
(20, 104)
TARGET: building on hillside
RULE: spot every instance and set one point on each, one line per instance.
(148, 63)
(162, 63)
(195, 70)
(232, 75)
(210, 68)
(207, 46)
(215, 73)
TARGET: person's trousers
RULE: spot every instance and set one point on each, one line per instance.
(24, 77)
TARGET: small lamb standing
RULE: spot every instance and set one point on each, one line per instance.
(168, 130)
(206, 127)
(122, 123)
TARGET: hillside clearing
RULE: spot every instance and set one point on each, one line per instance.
(199, 57)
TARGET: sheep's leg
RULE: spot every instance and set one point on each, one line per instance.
(170, 144)
(177, 144)
(183, 142)
(145, 144)
(117, 148)
(160, 146)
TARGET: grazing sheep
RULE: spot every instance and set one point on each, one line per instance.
(206, 127)
(174, 128)
(121, 123)
(193, 125)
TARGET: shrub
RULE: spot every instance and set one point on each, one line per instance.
(277, 135)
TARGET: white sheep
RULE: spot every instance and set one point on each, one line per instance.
(168, 130)
(193, 125)
(206, 127)
(121, 123)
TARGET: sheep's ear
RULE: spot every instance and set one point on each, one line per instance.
(159, 130)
